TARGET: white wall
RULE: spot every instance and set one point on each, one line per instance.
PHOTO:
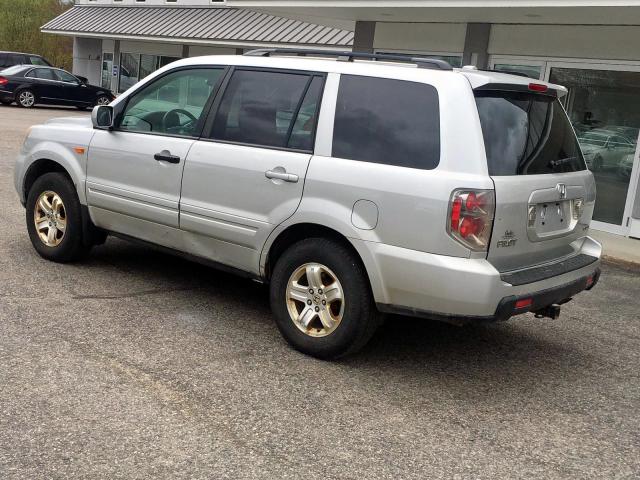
(199, 50)
(594, 42)
(87, 53)
(151, 48)
(421, 37)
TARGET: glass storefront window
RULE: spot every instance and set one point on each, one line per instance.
(129, 67)
(531, 71)
(148, 65)
(604, 108)
(107, 69)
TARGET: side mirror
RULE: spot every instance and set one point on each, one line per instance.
(102, 117)
(83, 80)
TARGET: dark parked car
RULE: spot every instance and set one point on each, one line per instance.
(9, 59)
(28, 85)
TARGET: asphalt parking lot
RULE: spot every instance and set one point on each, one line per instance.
(135, 364)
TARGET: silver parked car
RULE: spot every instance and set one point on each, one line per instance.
(354, 188)
(605, 148)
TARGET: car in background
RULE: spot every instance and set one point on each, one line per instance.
(9, 59)
(605, 148)
(625, 167)
(28, 85)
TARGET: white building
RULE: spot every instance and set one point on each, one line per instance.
(590, 46)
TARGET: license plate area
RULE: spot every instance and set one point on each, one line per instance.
(550, 218)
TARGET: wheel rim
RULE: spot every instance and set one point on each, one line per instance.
(27, 99)
(50, 218)
(103, 101)
(315, 300)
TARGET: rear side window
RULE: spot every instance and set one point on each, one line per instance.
(271, 109)
(4, 57)
(37, 61)
(386, 121)
(527, 134)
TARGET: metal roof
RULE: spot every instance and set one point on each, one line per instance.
(223, 25)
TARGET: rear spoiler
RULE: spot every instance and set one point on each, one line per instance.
(534, 87)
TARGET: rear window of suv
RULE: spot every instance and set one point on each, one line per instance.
(527, 134)
(393, 122)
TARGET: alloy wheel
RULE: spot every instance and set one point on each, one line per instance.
(103, 101)
(26, 99)
(315, 300)
(50, 218)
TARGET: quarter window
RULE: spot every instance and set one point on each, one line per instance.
(393, 122)
(271, 109)
(172, 104)
(66, 77)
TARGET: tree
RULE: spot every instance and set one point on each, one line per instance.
(20, 24)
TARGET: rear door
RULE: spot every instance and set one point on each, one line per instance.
(247, 173)
(544, 193)
(45, 85)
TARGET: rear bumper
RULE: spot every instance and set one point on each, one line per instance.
(459, 290)
(508, 306)
(6, 95)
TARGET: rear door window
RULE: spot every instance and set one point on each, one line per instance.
(267, 108)
(42, 73)
(393, 122)
(37, 61)
(527, 134)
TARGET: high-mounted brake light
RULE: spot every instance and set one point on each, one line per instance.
(3, 81)
(471, 217)
(538, 87)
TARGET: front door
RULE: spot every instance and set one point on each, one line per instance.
(247, 176)
(134, 172)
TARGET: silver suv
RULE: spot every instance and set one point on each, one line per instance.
(354, 186)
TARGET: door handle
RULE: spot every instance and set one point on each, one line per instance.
(281, 175)
(165, 156)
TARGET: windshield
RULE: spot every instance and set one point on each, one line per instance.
(527, 134)
(13, 70)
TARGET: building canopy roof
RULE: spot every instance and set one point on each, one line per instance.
(210, 25)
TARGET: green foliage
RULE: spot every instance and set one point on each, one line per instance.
(20, 22)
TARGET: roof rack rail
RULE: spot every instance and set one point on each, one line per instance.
(430, 63)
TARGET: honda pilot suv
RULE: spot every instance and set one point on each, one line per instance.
(353, 184)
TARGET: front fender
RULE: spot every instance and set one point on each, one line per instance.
(40, 145)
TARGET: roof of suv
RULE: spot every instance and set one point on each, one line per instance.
(405, 70)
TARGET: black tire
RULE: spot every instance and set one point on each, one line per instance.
(360, 318)
(5, 102)
(24, 104)
(100, 99)
(71, 246)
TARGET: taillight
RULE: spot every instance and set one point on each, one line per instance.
(3, 81)
(471, 217)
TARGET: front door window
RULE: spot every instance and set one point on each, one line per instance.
(173, 104)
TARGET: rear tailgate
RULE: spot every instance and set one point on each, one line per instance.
(544, 193)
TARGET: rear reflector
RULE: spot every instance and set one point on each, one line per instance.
(538, 87)
(524, 303)
(590, 280)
